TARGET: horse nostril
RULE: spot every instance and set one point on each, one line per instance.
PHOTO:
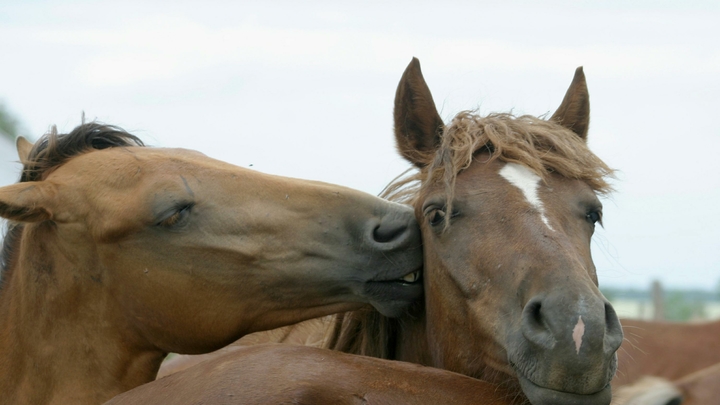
(613, 329)
(534, 314)
(534, 325)
(389, 231)
(610, 315)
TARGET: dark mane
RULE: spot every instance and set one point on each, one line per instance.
(541, 145)
(49, 153)
(52, 150)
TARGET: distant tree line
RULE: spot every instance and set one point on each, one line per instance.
(9, 125)
(679, 304)
(644, 294)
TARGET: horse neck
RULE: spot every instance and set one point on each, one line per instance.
(374, 335)
(59, 336)
(412, 341)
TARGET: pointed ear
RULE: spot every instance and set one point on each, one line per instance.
(28, 201)
(418, 126)
(574, 111)
(23, 148)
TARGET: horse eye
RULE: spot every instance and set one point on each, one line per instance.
(593, 216)
(177, 218)
(437, 216)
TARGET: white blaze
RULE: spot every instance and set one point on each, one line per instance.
(528, 182)
(578, 333)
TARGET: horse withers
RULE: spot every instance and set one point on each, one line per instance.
(117, 254)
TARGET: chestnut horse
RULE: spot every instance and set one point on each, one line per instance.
(117, 254)
(507, 207)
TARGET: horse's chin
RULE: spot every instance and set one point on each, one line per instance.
(545, 396)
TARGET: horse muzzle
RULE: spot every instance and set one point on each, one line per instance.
(564, 350)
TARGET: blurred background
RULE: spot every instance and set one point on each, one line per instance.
(305, 89)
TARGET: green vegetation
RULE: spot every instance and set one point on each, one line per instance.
(683, 307)
(637, 294)
(679, 305)
(9, 125)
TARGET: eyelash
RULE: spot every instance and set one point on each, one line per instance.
(436, 216)
(178, 217)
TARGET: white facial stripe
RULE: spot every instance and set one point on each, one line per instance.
(528, 182)
(578, 333)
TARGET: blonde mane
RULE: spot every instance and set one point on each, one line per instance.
(543, 146)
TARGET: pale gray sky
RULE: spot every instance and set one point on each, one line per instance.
(305, 89)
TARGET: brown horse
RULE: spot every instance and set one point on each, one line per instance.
(117, 254)
(507, 207)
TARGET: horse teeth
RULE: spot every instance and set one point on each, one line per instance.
(412, 277)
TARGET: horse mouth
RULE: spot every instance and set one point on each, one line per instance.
(411, 278)
(539, 395)
(393, 297)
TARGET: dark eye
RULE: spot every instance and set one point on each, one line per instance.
(594, 216)
(177, 218)
(437, 216)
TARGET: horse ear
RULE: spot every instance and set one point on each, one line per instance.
(574, 111)
(27, 201)
(23, 148)
(418, 125)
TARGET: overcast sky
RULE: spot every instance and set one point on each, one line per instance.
(305, 89)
